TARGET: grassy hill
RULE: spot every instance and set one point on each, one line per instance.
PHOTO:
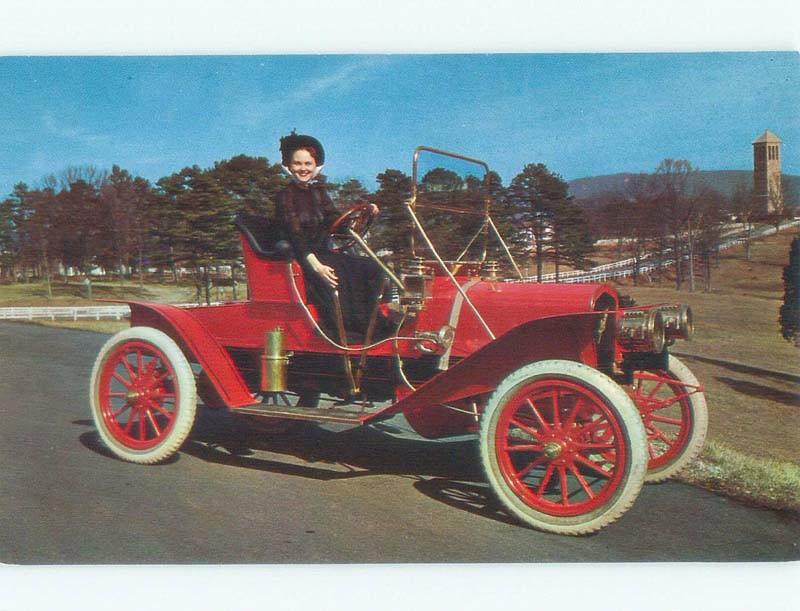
(724, 181)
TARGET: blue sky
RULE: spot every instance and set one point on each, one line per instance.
(580, 114)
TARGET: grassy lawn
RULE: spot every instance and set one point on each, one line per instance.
(74, 293)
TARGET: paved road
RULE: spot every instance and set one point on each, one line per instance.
(231, 496)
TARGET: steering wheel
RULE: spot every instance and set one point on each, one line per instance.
(359, 218)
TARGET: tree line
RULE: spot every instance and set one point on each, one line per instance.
(85, 218)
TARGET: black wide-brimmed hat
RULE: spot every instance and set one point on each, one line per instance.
(294, 141)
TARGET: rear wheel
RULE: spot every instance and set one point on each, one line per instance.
(143, 396)
(673, 408)
(563, 447)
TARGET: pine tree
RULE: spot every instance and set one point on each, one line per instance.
(789, 316)
(393, 227)
(250, 182)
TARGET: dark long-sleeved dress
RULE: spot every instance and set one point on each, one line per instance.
(306, 213)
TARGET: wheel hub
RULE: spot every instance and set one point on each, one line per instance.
(552, 449)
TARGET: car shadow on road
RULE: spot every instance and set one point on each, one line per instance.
(448, 472)
(315, 452)
(91, 441)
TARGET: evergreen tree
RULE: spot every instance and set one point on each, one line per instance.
(393, 227)
(535, 195)
(124, 208)
(197, 223)
(789, 316)
(350, 193)
(250, 182)
(79, 226)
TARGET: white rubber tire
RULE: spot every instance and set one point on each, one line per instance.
(618, 402)
(184, 383)
(697, 435)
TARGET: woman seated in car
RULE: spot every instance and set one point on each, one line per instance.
(305, 211)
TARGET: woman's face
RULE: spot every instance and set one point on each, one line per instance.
(302, 165)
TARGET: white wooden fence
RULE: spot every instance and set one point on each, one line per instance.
(114, 312)
(624, 268)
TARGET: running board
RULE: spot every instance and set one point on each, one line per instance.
(316, 414)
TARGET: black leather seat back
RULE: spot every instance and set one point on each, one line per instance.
(265, 237)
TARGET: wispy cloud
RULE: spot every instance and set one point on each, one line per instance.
(75, 134)
(340, 81)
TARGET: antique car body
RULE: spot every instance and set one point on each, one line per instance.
(572, 397)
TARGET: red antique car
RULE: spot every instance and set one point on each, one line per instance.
(574, 399)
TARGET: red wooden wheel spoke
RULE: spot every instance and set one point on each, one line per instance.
(142, 426)
(532, 432)
(531, 466)
(654, 405)
(548, 473)
(139, 367)
(536, 413)
(131, 420)
(556, 409)
(528, 447)
(573, 413)
(562, 476)
(659, 434)
(157, 406)
(582, 481)
(121, 410)
(159, 378)
(153, 422)
(594, 425)
(665, 420)
(656, 388)
(582, 445)
(128, 368)
(151, 366)
(123, 381)
(591, 465)
(651, 449)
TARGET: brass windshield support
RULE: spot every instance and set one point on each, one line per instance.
(447, 271)
(472, 241)
(503, 243)
(377, 260)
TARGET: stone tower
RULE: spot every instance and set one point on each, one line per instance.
(767, 171)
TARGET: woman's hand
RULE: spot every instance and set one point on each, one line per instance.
(326, 272)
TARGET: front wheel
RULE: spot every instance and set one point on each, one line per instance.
(143, 396)
(673, 408)
(563, 447)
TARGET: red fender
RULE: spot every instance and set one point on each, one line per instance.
(198, 345)
(569, 337)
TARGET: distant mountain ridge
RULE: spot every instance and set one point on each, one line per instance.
(724, 181)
